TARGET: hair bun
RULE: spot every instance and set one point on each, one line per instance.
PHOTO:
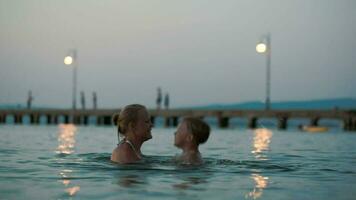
(115, 118)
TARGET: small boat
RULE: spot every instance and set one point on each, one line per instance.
(314, 129)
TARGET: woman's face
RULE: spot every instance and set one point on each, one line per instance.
(143, 125)
(181, 135)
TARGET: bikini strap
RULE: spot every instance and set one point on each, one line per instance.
(131, 145)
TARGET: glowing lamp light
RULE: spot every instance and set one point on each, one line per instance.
(68, 60)
(261, 48)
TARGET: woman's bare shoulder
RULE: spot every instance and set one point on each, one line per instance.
(115, 155)
(123, 154)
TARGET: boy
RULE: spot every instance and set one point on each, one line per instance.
(190, 134)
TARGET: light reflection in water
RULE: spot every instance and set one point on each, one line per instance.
(66, 143)
(73, 190)
(260, 184)
(130, 180)
(66, 182)
(66, 138)
(65, 174)
(261, 140)
(189, 182)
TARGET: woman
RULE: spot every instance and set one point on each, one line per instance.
(134, 124)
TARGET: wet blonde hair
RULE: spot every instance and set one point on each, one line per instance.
(199, 129)
(128, 115)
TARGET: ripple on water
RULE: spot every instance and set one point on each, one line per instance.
(7, 152)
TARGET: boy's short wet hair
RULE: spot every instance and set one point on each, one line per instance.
(199, 129)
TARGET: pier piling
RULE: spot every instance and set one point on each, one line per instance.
(153, 120)
(167, 122)
(2, 119)
(282, 123)
(18, 119)
(85, 120)
(314, 121)
(252, 123)
(223, 122)
(66, 119)
(175, 121)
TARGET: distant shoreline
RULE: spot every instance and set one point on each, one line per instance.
(323, 104)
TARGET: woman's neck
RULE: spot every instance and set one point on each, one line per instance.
(135, 142)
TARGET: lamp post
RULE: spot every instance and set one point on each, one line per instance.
(264, 46)
(71, 59)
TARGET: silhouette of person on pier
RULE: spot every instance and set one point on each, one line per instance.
(94, 100)
(159, 98)
(166, 101)
(82, 99)
(29, 99)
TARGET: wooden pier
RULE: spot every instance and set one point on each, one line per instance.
(171, 116)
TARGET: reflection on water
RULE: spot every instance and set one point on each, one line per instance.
(261, 140)
(189, 182)
(260, 184)
(129, 181)
(65, 182)
(66, 138)
(66, 143)
(65, 174)
(71, 191)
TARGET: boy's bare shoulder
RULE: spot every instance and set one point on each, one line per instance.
(189, 160)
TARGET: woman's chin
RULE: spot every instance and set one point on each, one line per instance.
(148, 137)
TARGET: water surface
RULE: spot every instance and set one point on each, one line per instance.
(67, 162)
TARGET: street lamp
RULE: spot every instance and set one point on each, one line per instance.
(264, 46)
(71, 59)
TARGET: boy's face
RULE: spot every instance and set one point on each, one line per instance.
(181, 135)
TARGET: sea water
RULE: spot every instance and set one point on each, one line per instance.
(73, 162)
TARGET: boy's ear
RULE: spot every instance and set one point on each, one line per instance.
(190, 137)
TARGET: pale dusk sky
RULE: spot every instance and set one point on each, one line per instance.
(200, 51)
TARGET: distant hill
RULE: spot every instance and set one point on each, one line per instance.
(12, 106)
(325, 104)
(21, 106)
